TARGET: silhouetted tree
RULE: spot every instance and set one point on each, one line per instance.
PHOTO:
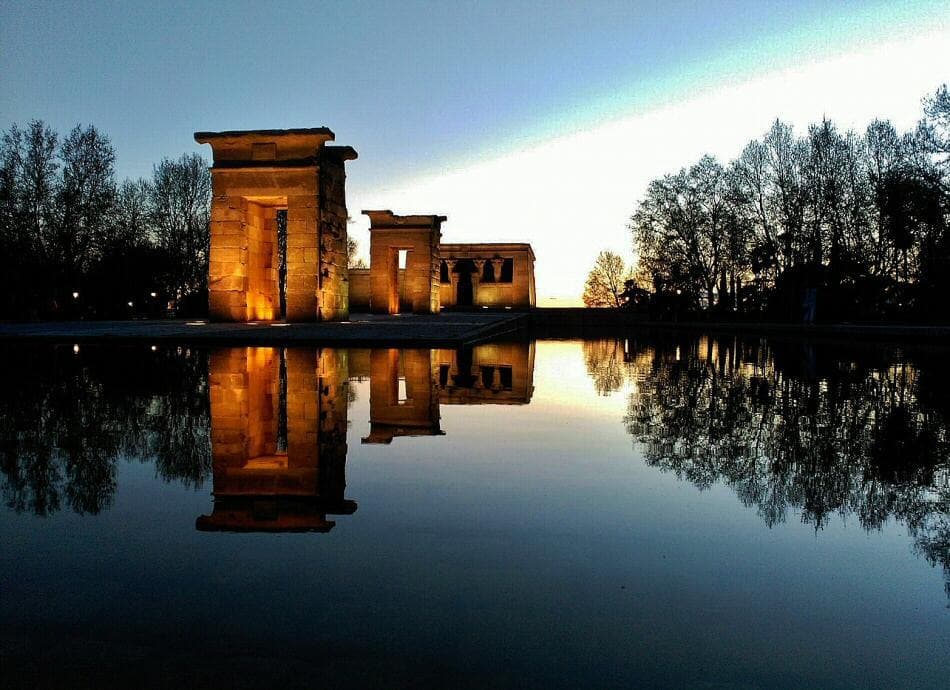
(353, 260)
(859, 218)
(86, 197)
(180, 212)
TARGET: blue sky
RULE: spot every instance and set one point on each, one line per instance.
(426, 89)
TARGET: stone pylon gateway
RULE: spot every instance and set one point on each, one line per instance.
(417, 238)
(256, 174)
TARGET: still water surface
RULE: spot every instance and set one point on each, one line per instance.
(662, 511)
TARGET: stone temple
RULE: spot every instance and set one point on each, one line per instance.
(264, 178)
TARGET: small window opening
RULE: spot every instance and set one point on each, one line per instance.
(444, 273)
(402, 393)
(505, 377)
(488, 273)
(403, 258)
(488, 374)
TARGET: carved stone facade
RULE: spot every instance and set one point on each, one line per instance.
(490, 275)
(259, 174)
(255, 175)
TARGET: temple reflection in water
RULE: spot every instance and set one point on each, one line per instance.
(279, 419)
(278, 439)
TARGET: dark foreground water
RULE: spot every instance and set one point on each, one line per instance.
(658, 511)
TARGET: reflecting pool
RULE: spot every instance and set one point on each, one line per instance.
(660, 510)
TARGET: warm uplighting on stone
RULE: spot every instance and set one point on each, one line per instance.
(255, 174)
(413, 288)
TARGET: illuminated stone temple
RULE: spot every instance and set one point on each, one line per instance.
(255, 176)
(413, 271)
(278, 247)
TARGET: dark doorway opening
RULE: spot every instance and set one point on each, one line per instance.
(465, 296)
(282, 263)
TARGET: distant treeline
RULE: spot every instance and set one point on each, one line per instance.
(75, 242)
(830, 225)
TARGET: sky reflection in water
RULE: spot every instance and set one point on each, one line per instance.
(667, 510)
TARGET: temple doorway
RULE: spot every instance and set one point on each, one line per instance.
(465, 295)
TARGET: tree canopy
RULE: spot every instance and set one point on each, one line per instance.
(861, 218)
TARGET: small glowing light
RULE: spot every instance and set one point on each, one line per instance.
(484, 306)
(279, 325)
(153, 294)
(75, 295)
(678, 291)
(195, 323)
(130, 304)
(154, 348)
(76, 349)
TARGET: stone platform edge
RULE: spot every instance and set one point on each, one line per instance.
(405, 331)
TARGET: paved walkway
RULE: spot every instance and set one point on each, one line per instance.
(406, 330)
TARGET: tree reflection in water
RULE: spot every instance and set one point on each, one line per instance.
(67, 416)
(818, 429)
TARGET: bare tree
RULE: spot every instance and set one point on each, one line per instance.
(605, 282)
(180, 213)
(86, 198)
(352, 258)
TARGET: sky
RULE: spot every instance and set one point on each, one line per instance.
(538, 122)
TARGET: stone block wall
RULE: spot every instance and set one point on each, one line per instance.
(263, 296)
(303, 263)
(359, 289)
(419, 236)
(227, 267)
(333, 282)
(255, 173)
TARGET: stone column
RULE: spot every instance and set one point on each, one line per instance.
(477, 279)
(303, 258)
(227, 265)
(453, 280)
(496, 265)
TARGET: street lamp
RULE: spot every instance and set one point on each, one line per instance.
(75, 295)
